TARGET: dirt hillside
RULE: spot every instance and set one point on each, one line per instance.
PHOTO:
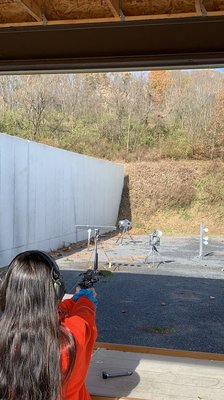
(174, 196)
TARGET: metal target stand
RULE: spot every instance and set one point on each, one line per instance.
(124, 225)
(154, 241)
(96, 236)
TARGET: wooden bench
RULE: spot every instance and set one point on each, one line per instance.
(158, 374)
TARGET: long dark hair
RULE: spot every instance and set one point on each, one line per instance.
(31, 337)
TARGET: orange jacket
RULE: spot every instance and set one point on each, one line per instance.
(80, 319)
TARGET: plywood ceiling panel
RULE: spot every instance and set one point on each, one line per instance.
(214, 5)
(149, 7)
(82, 9)
(17, 12)
(13, 12)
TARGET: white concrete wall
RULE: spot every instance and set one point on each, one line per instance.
(45, 192)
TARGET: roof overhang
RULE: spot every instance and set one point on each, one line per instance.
(171, 43)
(101, 35)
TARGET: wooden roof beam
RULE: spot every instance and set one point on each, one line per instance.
(171, 6)
(116, 8)
(161, 16)
(32, 9)
(106, 20)
(200, 8)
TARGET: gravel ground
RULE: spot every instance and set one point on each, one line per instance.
(177, 303)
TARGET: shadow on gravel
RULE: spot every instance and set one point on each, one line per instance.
(159, 311)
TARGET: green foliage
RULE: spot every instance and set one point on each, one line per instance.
(8, 122)
(175, 146)
(210, 190)
(119, 116)
(184, 212)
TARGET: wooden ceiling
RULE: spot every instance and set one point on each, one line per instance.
(59, 12)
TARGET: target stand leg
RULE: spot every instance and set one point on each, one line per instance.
(154, 253)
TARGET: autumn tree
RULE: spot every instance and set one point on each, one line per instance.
(122, 115)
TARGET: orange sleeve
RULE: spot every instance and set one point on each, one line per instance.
(83, 307)
(82, 324)
(66, 307)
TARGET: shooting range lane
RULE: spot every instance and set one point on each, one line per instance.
(180, 256)
(155, 377)
(176, 305)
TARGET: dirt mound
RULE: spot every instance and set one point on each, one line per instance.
(175, 196)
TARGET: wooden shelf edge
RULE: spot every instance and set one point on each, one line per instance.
(160, 351)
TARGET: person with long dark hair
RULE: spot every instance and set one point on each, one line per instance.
(45, 343)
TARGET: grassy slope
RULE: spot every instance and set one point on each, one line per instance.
(174, 196)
